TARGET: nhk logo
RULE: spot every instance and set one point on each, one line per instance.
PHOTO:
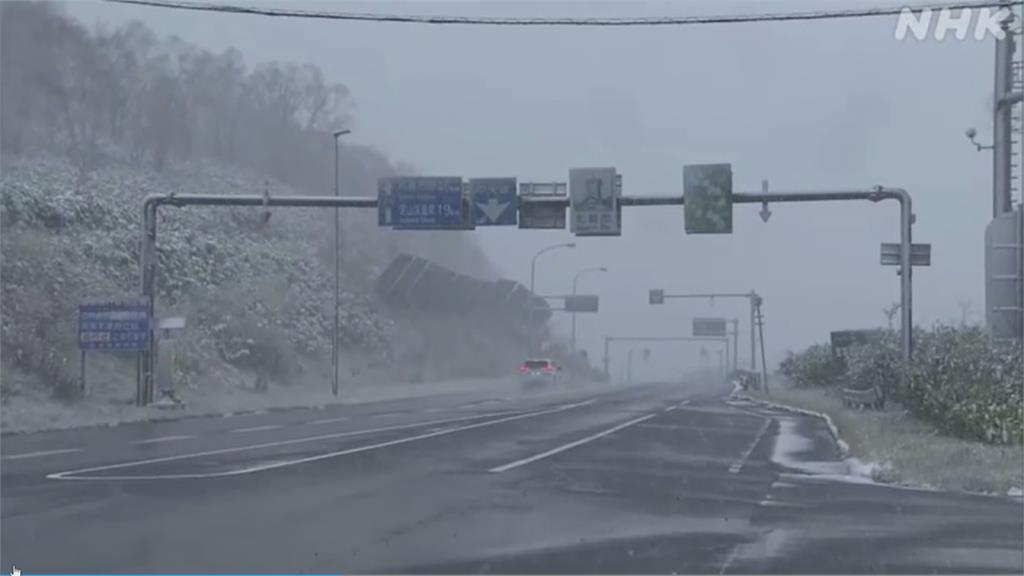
(926, 22)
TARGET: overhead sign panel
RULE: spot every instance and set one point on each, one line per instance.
(594, 200)
(707, 197)
(920, 254)
(121, 324)
(656, 296)
(581, 303)
(543, 208)
(494, 201)
(709, 327)
(425, 203)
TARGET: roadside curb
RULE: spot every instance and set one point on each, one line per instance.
(844, 448)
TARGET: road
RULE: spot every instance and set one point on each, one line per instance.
(659, 478)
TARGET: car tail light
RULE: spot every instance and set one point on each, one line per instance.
(548, 369)
(524, 369)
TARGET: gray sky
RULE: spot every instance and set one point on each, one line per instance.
(807, 105)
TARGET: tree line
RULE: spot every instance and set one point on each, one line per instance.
(125, 94)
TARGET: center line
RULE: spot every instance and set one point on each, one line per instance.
(743, 460)
(256, 428)
(570, 445)
(329, 420)
(162, 439)
(42, 453)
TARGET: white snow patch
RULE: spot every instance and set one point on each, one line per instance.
(1015, 492)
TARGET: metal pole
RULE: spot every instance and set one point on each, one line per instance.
(531, 303)
(574, 280)
(81, 374)
(606, 359)
(629, 367)
(1002, 122)
(735, 343)
(906, 273)
(764, 364)
(336, 333)
(753, 338)
(337, 279)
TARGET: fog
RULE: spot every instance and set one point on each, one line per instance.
(807, 106)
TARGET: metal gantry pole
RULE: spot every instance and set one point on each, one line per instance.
(336, 333)
(753, 337)
(1002, 121)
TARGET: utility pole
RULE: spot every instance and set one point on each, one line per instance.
(760, 330)
(335, 337)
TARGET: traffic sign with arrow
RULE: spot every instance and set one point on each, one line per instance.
(495, 201)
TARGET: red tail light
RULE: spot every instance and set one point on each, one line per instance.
(548, 369)
(524, 369)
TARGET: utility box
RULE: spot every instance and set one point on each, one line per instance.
(1004, 284)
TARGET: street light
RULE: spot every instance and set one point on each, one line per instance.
(533, 276)
(335, 357)
(574, 280)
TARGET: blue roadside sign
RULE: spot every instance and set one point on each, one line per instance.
(422, 203)
(495, 201)
(121, 324)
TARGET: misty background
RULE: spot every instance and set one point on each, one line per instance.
(807, 105)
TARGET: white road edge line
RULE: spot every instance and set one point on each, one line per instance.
(683, 403)
(41, 453)
(255, 429)
(746, 454)
(163, 439)
(670, 408)
(564, 447)
(78, 474)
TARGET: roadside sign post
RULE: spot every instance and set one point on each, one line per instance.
(113, 325)
(920, 254)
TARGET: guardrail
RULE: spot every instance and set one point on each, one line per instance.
(869, 398)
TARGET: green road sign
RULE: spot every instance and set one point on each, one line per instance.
(707, 196)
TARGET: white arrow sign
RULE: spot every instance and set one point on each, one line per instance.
(492, 208)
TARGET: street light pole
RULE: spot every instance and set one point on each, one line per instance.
(574, 281)
(533, 276)
(335, 340)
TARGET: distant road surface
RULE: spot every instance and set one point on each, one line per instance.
(658, 478)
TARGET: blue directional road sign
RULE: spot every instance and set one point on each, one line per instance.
(424, 203)
(117, 324)
(495, 201)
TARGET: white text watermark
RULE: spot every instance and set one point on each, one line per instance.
(927, 23)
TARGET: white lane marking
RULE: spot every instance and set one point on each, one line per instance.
(284, 443)
(387, 414)
(746, 454)
(163, 439)
(41, 453)
(330, 420)
(435, 410)
(683, 403)
(570, 445)
(670, 408)
(78, 474)
(255, 429)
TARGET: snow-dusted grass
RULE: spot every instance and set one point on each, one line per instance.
(904, 450)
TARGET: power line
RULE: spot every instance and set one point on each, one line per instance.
(566, 21)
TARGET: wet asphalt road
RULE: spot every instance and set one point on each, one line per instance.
(659, 478)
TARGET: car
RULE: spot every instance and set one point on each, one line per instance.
(538, 373)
